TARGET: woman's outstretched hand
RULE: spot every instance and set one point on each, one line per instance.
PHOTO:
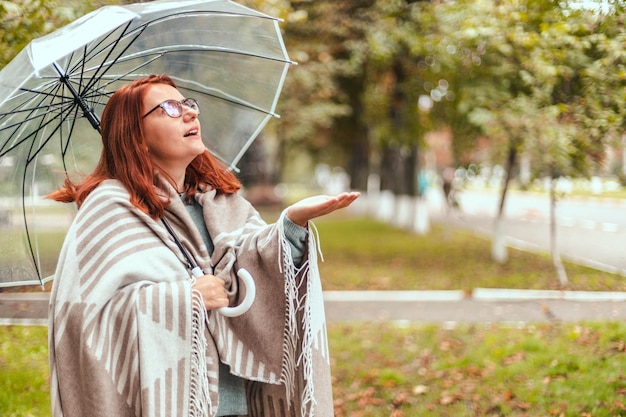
(309, 208)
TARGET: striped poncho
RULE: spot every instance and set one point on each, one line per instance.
(129, 337)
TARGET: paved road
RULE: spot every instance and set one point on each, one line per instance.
(591, 231)
(485, 305)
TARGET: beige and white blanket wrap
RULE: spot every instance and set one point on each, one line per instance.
(129, 337)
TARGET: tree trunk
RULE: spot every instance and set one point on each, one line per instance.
(498, 244)
(554, 248)
(624, 154)
(389, 184)
(418, 221)
(359, 165)
(411, 166)
(390, 176)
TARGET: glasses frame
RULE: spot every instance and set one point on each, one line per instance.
(191, 103)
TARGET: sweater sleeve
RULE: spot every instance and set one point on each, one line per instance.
(297, 237)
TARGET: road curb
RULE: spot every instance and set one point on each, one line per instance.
(491, 294)
(390, 295)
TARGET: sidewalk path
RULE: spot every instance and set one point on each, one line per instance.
(484, 306)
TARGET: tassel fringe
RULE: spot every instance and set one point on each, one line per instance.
(296, 303)
(200, 398)
(290, 337)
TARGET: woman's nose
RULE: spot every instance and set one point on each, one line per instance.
(190, 112)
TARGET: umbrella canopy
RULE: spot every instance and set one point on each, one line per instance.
(228, 57)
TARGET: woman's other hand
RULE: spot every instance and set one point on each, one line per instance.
(309, 208)
(213, 290)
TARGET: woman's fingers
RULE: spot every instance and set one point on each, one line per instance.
(213, 290)
(312, 207)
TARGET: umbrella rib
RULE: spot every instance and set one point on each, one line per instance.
(98, 92)
(34, 250)
(202, 48)
(31, 156)
(98, 76)
(230, 99)
(65, 146)
(110, 46)
(28, 234)
(66, 77)
(29, 118)
(64, 116)
(38, 93)
(224, 96)
(96, 50)
(99, 73)
(43, 142)
(29, 159)
(4, 151)
(80, 95)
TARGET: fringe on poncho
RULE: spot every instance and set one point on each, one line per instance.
(129, 337)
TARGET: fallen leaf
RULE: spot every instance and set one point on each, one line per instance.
(447, 398)
(507, 395)
(420, 389)
(514, 358)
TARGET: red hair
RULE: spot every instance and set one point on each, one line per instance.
(125, 156)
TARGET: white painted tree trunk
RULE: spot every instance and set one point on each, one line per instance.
(421, 219)
(554, 247)
(624, 154)
(499, 252)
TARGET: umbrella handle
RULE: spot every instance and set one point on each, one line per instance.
(245, 305)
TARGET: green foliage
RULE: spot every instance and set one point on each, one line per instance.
(542, 76)
(545, 77)
(22, 21)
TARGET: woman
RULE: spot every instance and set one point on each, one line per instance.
(132, 332)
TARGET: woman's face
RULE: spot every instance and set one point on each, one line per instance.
(173, 142)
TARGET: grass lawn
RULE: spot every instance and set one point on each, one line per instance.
(24, 372)
(363, 254)
(414, 369)
(475, 370)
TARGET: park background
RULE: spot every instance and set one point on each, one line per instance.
(398, 98)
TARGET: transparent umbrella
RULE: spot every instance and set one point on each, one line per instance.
(230, 58)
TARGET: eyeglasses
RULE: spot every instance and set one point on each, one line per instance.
(174, 108)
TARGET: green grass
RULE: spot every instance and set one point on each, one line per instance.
(24, 372)
(416, 370)
(364, 254)
(421, 370)
(474, 370)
